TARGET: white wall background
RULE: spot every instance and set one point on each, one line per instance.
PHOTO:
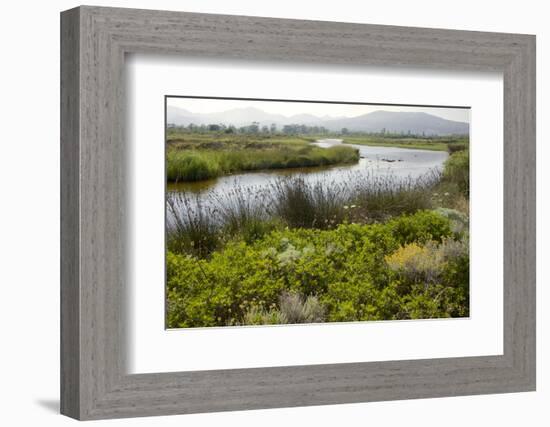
(29, 216)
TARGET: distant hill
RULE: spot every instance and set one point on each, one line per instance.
(391, 121)
(397, 121)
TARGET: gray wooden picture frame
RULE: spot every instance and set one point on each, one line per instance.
(94, 41)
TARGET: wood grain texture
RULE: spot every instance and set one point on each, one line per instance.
(70, 220)
(94, 233)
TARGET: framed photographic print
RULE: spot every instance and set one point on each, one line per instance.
(286, 219)
(262, 213)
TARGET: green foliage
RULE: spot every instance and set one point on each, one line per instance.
(299, 251)
(296, 309)
(433, 143)
(456, 146)
(293, 308)
(198, 224)
(416, 262)
(457, 171)
(190, 166)
(191, 231)
(259, 316)
(307, 275)
(308, 204)
(193, 157)
(242, 212)
(426, 263)
(381, 197)
(420, 227)
(460, 222)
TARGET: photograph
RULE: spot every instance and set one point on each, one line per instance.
(317, 212)
(292, 212)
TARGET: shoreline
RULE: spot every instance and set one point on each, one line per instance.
(441, 147)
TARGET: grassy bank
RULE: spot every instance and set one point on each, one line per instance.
(197, 165)
(196, 157)
(434, 144)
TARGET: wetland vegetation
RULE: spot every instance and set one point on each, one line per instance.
(342, 238)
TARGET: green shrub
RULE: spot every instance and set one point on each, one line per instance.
(259, 316)
(311, 275)
(427, 263)
(296, 309)
(433, 279)
(460, 222)
(417, 263)
(456, 147)
(219, 291)
(457, 171)
(292, 308)
(420, 227)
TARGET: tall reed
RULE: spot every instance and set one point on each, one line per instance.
(378, 197)
(306, 204)
(190, 225)
(243, 211)
(199, 223)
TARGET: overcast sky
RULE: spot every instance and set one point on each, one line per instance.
(317, 109)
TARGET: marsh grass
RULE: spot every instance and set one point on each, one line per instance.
(381, 196)
(190, 166)
(434, 144)
(188, 161)
(244, 211)
(190, 226)
(309, 204)
(200, 223)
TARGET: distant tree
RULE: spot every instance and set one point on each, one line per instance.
(254, 127)
(344, 131)
(288, 129)
(265, 129)
(273, 128)
(213, 128)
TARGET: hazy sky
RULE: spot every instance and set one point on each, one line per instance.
(292, 108)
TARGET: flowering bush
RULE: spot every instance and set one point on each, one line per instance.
(417, 263)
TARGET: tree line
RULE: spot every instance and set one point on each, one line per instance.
(255, 128)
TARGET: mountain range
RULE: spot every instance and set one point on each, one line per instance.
(376, 121)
